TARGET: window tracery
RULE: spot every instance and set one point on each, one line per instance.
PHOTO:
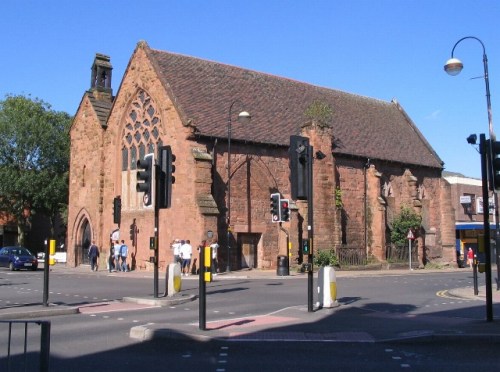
(141, 131)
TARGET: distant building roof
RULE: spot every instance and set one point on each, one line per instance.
(459, 178)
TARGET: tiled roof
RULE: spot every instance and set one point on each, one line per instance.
(203, 91)
(101, 107)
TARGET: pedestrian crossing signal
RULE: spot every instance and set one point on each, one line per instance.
(275, 207)
(305, 246)
(284, 210)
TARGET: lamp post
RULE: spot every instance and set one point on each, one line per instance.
(243, 117)
(453, 67)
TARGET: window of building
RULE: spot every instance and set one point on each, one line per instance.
(142, 130)
(141, 136)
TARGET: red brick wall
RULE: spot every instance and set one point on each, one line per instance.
(256, 172)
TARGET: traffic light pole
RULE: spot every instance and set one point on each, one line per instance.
(485, 150)
(202, 293)
(157, 245)
(310, 230)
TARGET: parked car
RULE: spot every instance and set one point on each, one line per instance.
(16, 258)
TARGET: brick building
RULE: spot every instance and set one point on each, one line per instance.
(376, 160)
(467, 199)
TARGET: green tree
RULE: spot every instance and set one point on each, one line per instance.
(34, 160)
(407, 219)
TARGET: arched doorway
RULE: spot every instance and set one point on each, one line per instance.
(83, 241)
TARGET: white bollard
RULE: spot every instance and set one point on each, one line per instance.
(327, 287)
(174, 279)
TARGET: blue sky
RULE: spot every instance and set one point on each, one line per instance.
(382, 49)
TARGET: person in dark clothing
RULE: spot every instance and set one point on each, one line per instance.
(93, 256)
(111, 259)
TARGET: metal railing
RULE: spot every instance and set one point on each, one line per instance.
(17, 357)
(400, 254)
(351, 256)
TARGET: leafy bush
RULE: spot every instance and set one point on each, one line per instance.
(326, 258)
(407, 219)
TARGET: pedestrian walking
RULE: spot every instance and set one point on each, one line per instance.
(470, 257)
(176, 247)
(215, 265)
(111, 258)
(93, 256)
(186, 254)
(123, 255)
(117, 256)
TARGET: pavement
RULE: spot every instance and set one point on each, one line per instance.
(343, 322)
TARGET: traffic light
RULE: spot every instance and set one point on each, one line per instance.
(117, 210)
(305, 246)
(153, 242)
(495, 164)
(285, 210)
(299, 155)
(166, 178)
(146, 174)
(275, 207)
(132, 234)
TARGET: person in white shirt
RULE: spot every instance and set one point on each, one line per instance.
(186, 251)
(176, 246)
(215, 247)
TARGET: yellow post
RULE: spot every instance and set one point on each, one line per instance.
(52, 252)
(207, 263)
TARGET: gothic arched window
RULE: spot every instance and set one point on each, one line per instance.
(142, 130)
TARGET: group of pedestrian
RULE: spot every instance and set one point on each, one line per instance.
(183, 255)
(118, 257)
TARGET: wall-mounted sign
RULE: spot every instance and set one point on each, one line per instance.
(465, 199)
(479, 205)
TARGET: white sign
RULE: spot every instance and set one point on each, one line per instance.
(465, 199)
(479, 205)
(410, 235)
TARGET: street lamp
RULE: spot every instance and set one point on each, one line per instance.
(243, 117)
(453, 67)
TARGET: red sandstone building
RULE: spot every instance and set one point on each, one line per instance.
(376, 161)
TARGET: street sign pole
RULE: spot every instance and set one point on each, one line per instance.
(410, 237)
(409, 253)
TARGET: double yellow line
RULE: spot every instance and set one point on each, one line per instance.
(444, 294)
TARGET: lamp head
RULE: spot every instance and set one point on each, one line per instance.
(472, 139)
(244, 117)
(453, 66)
(320, 155)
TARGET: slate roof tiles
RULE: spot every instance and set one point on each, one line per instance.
(204, 90)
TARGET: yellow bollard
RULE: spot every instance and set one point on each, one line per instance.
(333, 285)
(174, 279)
(52, 252)
(327, 287)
